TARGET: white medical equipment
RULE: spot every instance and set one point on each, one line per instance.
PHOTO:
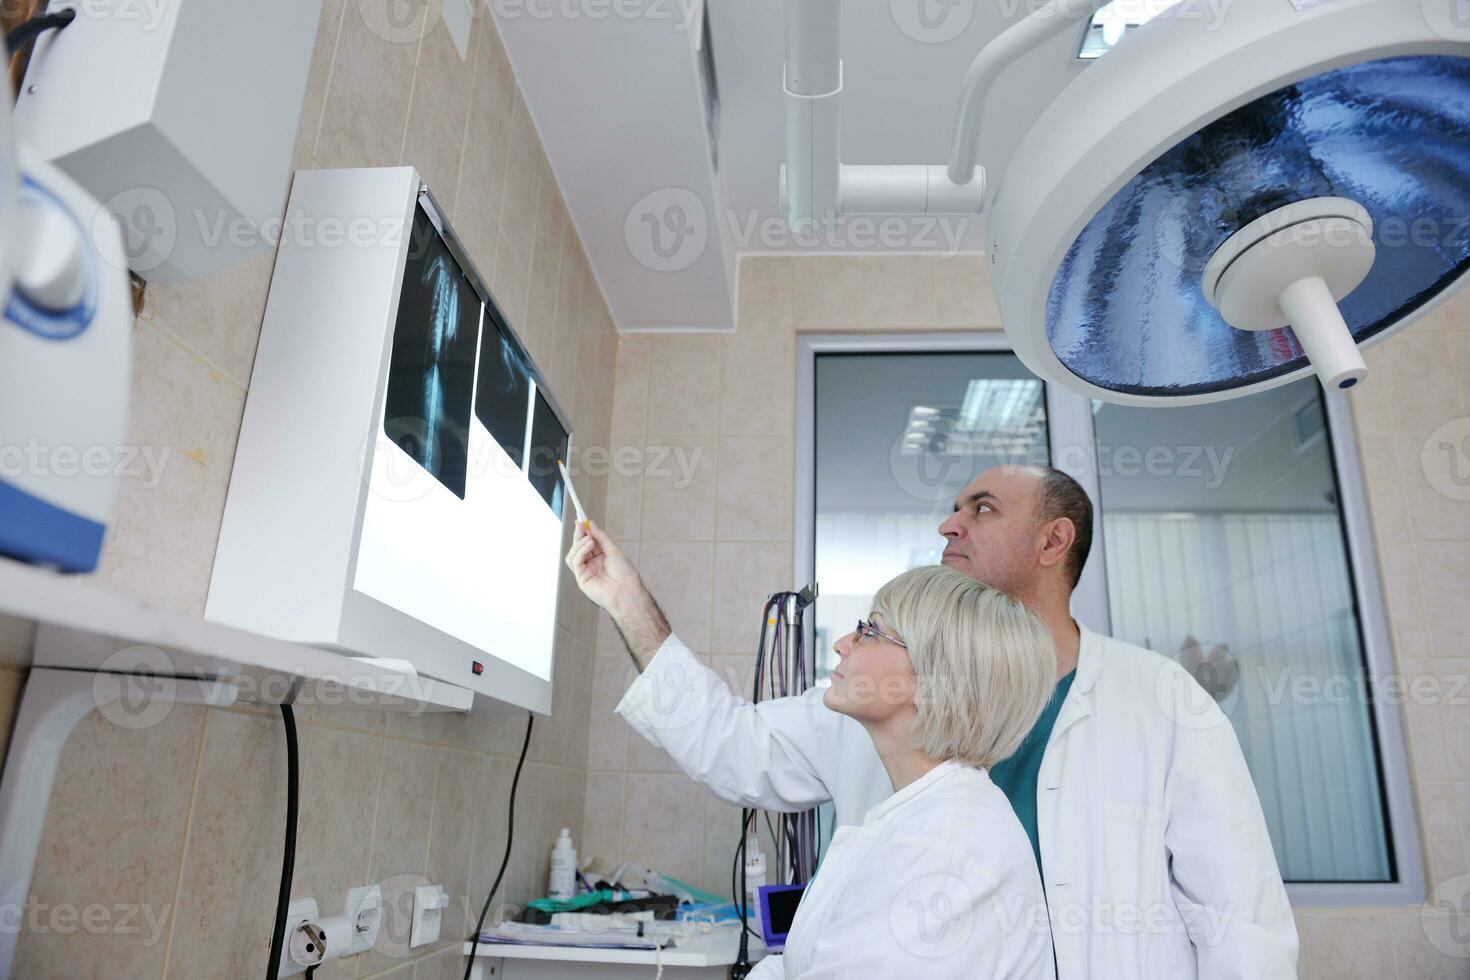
(1193, 192)
(65, 350)
(180, 116)
(395, 490)
(164, 114)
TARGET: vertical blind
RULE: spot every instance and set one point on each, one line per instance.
(1266, 599)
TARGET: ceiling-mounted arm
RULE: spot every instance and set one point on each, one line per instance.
(815, 185)
(1041, 26)
(813, 57)
(813, 83)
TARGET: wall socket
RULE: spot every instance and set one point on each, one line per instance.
(300, 914)
(365, 913)
(311, 939)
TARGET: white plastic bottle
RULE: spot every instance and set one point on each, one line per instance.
(755, 880)
(563, 883)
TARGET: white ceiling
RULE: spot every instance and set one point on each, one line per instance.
(617, 103)
(899, 94)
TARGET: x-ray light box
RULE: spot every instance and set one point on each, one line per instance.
(395, 489)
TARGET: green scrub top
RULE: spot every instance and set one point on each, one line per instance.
(1017, 775)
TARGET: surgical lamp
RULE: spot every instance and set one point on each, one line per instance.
(1211, 209)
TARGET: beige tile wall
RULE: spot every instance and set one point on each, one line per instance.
(1415, 400)
(184, 818)
(714, 547)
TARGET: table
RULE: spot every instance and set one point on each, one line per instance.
(701, 958)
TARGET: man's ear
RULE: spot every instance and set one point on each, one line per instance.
(1057, 536)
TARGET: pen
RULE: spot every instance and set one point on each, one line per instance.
(572, 492)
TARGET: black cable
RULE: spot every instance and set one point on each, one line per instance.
(771, 829)
(288, 852)
(741, 967)
(737, 875)
(22, 34)
(311, 970)
(510, 828)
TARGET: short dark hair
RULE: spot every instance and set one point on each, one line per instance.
(1062, 496)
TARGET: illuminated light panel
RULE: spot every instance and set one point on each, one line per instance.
(1110, 24)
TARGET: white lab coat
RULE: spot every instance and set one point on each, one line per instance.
(938, 882)
(1156, 862)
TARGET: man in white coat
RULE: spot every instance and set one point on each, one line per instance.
(1147, 830)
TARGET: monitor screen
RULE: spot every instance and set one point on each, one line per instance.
(778, 908)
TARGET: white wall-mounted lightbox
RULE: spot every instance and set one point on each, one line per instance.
(395, 489)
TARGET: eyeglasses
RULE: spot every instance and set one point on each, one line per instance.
(865, 627)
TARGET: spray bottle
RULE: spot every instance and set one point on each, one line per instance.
(563, 882)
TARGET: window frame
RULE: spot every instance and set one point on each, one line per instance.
(1072, 438)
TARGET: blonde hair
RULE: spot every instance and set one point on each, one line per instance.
(986, 665)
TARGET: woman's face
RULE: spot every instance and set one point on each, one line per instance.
(874, 681)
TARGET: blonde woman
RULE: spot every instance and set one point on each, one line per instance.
(946, 676)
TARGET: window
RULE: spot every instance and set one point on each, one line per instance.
(1231, 538)
(1225, 550)
(898, 435)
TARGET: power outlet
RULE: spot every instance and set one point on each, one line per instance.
(300, 912)
(309, 937)
(365, 913)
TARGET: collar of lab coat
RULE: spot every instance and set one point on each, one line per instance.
(1079, 699)
(910, 792)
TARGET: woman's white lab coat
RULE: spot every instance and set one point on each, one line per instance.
(1155, 857)
(938, 882)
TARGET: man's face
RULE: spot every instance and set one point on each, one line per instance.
(992, 536)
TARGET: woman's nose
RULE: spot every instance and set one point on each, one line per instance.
(843, 646)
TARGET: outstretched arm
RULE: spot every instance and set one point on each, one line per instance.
(609, 579)
(778, 755)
